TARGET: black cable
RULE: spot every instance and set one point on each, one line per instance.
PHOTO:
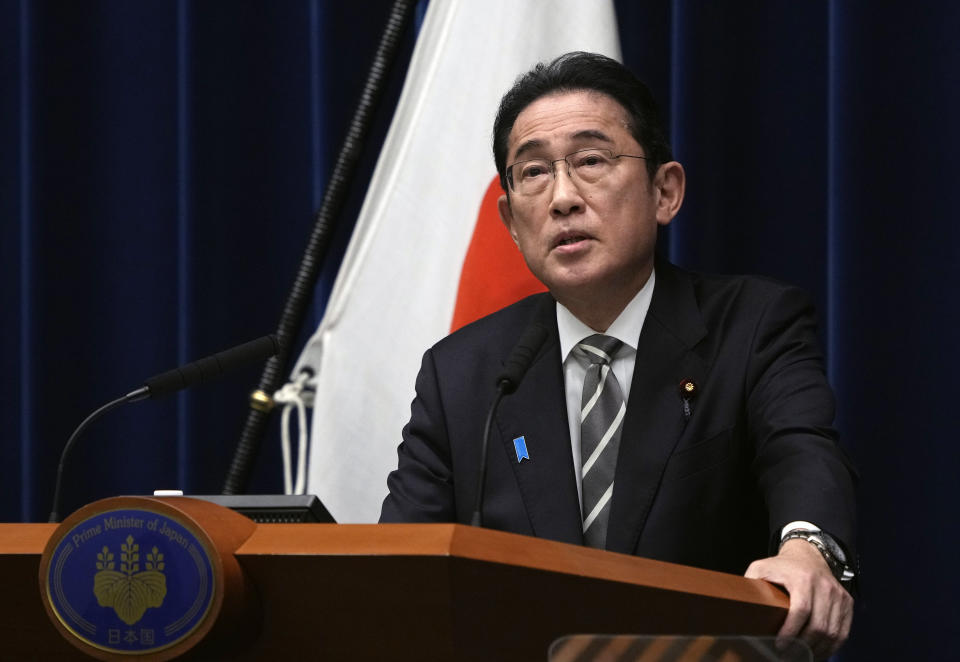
(299, 299)
(133, 396)
(477, 518)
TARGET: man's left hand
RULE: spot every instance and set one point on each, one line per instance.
(820, 609)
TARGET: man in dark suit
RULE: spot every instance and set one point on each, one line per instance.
(667, 414)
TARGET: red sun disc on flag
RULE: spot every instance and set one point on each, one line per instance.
(494, 274)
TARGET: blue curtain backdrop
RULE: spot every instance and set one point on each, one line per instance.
(161, 162)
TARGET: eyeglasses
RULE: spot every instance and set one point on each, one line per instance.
(587, 165)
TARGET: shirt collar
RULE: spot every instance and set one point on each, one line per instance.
(626, 328)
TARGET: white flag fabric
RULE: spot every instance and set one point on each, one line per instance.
(427, 230)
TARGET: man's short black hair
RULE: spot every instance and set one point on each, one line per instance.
(580, 71)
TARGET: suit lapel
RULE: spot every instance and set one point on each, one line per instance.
(654, 419)
(537, 412)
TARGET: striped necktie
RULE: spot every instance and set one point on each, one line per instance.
(601, 419)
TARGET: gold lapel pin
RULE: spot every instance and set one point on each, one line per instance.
(688, 388)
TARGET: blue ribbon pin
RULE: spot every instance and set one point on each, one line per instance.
(521, 445)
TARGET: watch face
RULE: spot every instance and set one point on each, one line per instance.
(836, 567)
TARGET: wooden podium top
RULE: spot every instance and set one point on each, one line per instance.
(424, 592)
(465, 542)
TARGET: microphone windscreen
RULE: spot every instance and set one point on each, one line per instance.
(211, 367)
(521, 357)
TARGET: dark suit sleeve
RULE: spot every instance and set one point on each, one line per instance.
(801, 471)
(421, 488)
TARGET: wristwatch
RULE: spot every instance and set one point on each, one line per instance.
(828, 548)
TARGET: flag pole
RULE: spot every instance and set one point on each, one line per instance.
(299, 299)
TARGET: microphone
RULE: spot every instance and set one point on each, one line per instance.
(509, 379)
(520, 358)
(198, 372)
(210, 368)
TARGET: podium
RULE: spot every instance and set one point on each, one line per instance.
(374, 592)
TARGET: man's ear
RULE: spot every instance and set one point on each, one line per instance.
(506, 215)
(669, 185)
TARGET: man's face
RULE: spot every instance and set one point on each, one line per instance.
(586, 240)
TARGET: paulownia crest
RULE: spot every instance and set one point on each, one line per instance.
(130, 592)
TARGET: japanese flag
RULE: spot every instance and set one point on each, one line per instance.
(428, 253)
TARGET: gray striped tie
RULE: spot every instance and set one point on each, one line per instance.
(601, 419)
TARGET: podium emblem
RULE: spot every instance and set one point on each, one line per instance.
(130, 591)
(130, 581)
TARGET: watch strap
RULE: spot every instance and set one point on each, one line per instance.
(828, 548)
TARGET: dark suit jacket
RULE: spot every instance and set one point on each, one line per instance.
(711, 489)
